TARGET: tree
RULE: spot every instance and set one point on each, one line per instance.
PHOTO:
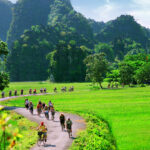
(66, 62)
(113, 76)
(143, 74)
(105, 48)
(4, 78)
(126, 73)
(97, 66)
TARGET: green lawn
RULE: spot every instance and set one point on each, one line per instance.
(127, 110)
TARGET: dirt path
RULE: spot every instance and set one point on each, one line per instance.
(57, 139)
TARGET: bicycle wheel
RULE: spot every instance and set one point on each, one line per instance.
(39, 142)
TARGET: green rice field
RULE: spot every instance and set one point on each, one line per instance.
(126, 110)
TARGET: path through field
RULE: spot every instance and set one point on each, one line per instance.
(57, 139)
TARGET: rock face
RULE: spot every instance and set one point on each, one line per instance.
(25, 14)
(42, 12)
(62, 12)
(5, 18)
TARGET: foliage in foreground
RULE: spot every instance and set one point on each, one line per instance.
(96, 136)
(20, 132)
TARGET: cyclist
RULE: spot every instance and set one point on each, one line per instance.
(62, 121)
(41, 90)
(3, 94)
(31, 107)
(42, 130)
(26, 103)
(69, 127)
(34, 91)
(55, 89)
(21, 91)
(10, 93)
(46, 112)
(15, 93)
(43, 106)
(30, 91)
(50, 105)
(52, 112)
(44, 90)
(39, 107)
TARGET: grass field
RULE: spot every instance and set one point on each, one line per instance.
(26, 129)
(127, 110)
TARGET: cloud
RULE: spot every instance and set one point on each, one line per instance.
(141, 12)
(106, 12)
(13, 1)
(111, 9)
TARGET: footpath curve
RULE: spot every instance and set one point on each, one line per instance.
(57, 140)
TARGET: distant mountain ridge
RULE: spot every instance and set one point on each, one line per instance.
(52, 12)
(125, 27)
(5, 17)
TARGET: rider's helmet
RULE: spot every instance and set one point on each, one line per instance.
(42, 123)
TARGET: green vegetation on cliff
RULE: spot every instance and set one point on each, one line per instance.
(25, 14)
(5, 18)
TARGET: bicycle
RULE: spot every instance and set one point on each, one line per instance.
(39, 111)
(46, 115)
(69, 132)
(62, 126)
(31, 111)
(42, 139)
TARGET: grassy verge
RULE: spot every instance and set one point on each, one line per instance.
(26, 128)
(96, 136)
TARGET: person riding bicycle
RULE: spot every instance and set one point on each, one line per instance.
(30, 91)
(52, 112)
(34, 91)
(43, 106)
(42, 130)
(62, 121)
(69, 126)
(10, 93)
(21, 91)
(3, 94)
(26, 103)
(39, 107)
(50, 105)
(15, 93)
(46, 112)
(31, 107)
(44, 90)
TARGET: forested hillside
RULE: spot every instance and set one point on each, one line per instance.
(52, 29)
(96, 26)
(125, 27)
(25, 14)
(63, 12)
(5, 18)
(27, 60)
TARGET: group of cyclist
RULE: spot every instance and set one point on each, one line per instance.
(42, 107)
(34, 91)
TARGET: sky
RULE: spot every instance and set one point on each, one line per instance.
(106, 10)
